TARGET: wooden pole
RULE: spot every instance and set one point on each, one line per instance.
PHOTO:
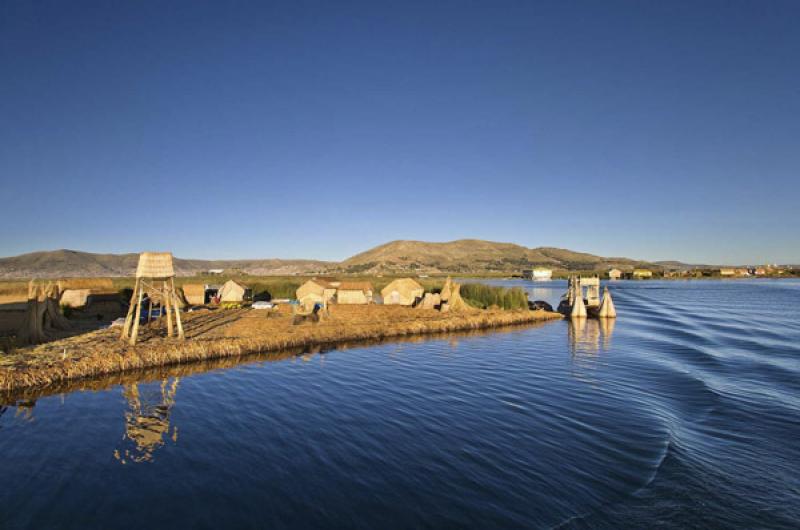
(127, 327)
(168, 305)
(135, 332)
(177, 311)
(150, 306)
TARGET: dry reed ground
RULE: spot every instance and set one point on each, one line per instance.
(233, 333)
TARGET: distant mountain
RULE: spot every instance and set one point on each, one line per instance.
(474, 255)
(678, 265)
(462, 256)
(72, 263)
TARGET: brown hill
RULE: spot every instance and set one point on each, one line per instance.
(72, 263)
(473, 255)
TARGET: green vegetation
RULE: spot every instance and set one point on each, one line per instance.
(484, 296)
(267, 289)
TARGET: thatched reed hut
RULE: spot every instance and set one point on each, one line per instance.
(354, 293)
(614, 274)
(194, 293)
(75, 292)
(402, 291)
(75, 297)
(316, 291)
(233, 291)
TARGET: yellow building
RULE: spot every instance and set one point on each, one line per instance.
(233, 291)
(402, 291)
(642, 273)
(316, 291)
(354, 293)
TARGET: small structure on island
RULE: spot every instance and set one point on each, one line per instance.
(194, 293)
(402, 291)
(316, 291)
(75, 292)
(614, 274)
(641, 274)
(234, 292)
(354, 293)
(155, 275)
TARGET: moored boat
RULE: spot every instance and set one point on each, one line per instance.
(582, 299)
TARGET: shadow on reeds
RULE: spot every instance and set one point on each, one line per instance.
(27, 396)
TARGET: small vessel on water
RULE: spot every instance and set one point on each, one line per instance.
(582, 299)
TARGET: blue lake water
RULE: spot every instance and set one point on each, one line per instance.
(685, 412)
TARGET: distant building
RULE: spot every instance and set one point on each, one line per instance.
(614, 274)
(539, 274)
(760, 271)
(354, 293)
(727, 272)
(213, 272)
(402, 291)
(642, 273)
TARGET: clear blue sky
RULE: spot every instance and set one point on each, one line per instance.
(648, 129)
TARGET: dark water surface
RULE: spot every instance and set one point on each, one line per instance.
(683, 413)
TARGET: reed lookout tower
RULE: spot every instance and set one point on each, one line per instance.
(155, 279)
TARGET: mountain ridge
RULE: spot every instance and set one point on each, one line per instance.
(398, 256)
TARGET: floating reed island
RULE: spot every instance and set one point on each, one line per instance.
(219, 333)
(325, 313)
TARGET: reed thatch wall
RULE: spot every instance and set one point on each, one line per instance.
(194, 293)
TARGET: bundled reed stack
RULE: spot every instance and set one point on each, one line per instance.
(607, 309)
(43, 315)
(451, 299)
(156, 277)
(455, 302)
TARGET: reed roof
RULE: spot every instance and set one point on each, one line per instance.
(405, 286)
(355, 286)
(155, 265)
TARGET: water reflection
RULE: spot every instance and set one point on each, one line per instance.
(585, 335)
(147, 420)
(607, 329)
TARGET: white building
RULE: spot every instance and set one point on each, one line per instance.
(539, 274)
